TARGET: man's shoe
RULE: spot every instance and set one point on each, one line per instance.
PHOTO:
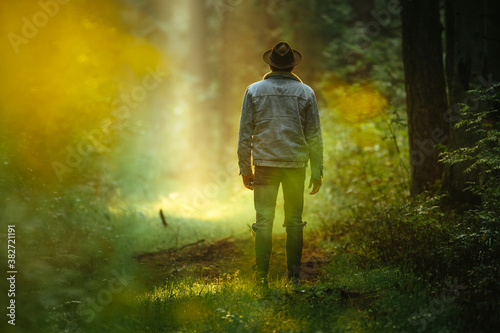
(293, 279)
(262, 283)
(261, 279)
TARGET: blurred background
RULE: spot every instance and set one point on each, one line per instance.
(111, 110)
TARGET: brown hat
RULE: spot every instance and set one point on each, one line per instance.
(282, 56)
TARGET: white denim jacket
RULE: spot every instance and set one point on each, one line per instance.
(280, 126)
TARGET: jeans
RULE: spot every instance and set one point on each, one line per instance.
(266, 186)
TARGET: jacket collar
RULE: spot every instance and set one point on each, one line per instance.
(285, 75)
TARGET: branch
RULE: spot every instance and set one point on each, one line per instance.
(190, 244)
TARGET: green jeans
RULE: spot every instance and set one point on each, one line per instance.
(266, 185)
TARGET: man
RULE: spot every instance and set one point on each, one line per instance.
(280, 129)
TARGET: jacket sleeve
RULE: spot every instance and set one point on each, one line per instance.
(245, 136)
(314, 138)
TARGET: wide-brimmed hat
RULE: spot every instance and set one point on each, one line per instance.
(282, 56)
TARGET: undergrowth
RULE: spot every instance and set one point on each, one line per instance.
(440, 242)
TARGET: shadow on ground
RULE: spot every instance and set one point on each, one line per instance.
(211, 260)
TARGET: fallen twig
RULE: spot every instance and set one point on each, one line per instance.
(163, 219)
(190, 244)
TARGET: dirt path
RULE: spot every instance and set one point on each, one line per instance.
(227, 256)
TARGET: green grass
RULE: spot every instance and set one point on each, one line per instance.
(79, 275)
(379, 300)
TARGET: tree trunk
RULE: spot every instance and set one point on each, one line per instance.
(472, 53)
(425, 91)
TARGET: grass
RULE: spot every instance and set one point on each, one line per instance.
(79, 274)
(347, 298)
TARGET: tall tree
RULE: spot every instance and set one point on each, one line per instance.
(425, 90)
(472, 53)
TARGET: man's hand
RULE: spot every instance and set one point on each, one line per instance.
(316, 185)
(248, 181)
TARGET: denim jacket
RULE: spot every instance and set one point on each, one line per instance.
(280, 126)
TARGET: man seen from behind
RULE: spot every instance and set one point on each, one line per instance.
(280, 131)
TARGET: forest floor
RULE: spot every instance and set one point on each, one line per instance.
(228, 256)
(210, 288)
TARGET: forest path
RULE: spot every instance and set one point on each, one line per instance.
(230, 256)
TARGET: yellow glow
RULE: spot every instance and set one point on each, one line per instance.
(195, 205)
(354, 103)
(62, 69)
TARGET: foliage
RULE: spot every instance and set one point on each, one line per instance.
(476, 241)
(483, 156)
(441, 243)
